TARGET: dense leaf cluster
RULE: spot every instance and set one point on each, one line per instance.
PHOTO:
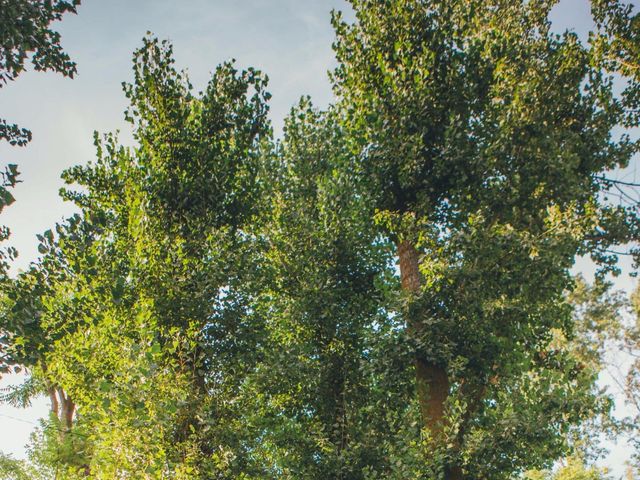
(227, 305)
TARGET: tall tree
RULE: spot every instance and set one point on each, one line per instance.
(485, 137)
(177, 211)
(226, 307)
(136, 312)
(324, 299)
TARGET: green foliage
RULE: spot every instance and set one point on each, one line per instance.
(324, 309)
(484, 140)
(226, 306)
(574, 469)
(149, 283)
(631, 342)
(25, 34)
(12, 469)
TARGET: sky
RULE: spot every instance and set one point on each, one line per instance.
(290, 40)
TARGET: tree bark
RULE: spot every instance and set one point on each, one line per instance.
(67, 410)
(54, 401)
(61, 406)
(432, 382)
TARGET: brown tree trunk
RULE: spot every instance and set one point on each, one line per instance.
(54, 401)
(64, 409)
(67, 410)
(432, 382)
(453, 472)
(61, 406)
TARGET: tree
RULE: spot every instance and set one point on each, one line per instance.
(324, 300)
(574, 469)
(12, 469)
(25, 34)
(485, 137)
(39, 308)
(226, 306)
(631, 344)
(168, 274)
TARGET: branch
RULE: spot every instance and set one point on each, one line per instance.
(616, 182)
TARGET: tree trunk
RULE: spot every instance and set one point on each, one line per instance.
(67, 410)
(54, 401)
(61, 406)
(432, 382)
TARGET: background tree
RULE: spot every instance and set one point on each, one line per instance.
(42, 306)
(12, 469)
(632, 384)
(25, 34)
(573, 469)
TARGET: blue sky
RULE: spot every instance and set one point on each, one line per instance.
(290, 40)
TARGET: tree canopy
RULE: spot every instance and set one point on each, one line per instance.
(383, 292)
